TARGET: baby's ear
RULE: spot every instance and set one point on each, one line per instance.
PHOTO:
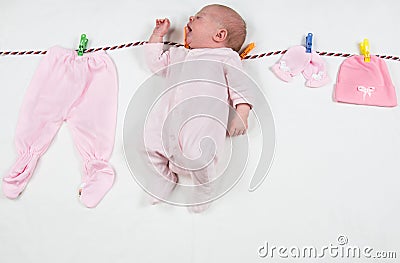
(221, 35)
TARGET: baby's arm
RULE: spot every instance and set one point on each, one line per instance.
(156, 58)
(240, 94)
(238, 124)
(159, 31)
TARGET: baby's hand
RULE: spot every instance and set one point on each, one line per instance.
(238, 124)
(162, 26)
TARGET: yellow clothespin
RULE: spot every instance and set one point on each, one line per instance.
(364, 46)
(247, 50)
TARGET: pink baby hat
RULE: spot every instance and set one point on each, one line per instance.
(365, 83)
(295, 61)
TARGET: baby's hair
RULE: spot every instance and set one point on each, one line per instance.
(235, 25)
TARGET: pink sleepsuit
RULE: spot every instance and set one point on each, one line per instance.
(199, 80)
(82, 91)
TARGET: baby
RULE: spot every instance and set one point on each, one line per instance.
(216, 33)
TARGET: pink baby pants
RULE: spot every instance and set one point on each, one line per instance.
(82, 91)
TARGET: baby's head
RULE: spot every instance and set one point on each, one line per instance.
(216, 26)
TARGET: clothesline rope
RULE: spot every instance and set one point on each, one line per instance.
(133, 44)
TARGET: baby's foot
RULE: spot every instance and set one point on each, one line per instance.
(165, 190)
(198, 208)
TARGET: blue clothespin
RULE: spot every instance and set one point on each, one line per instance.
(309, 42)
(82, 45)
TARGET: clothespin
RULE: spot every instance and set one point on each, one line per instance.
(364, 47)
(309, 42)
(184, 37)
(82, 44)
(247, 50)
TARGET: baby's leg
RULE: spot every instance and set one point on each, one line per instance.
(202, 188)
(202, 140)
(162, 181)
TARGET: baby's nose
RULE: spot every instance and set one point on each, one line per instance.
(191, 18)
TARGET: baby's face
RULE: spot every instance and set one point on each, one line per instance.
(202, 27)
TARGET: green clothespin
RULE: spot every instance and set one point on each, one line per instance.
(82, 44)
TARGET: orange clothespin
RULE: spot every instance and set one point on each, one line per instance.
(184, 37)
(247, 50)
(364, 47)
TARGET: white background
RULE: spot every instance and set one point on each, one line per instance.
(336, 169)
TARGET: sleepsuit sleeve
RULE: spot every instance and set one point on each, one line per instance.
(239, 86)
(156, 58)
